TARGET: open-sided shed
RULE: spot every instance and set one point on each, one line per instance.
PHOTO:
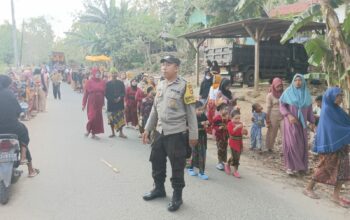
(256, 28)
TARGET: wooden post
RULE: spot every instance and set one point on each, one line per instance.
(257, 37)
(197, 63)
(257, 60)
(196, 48)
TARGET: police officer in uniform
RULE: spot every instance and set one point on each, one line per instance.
(174, 118)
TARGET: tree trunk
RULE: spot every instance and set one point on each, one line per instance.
(337, 43)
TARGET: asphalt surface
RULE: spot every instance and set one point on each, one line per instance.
(83, 178)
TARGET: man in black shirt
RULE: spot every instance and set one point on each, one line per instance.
(115, 92)
(9, 124)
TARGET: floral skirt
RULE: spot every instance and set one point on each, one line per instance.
(210, 115)
(333, 167)
(116, 119)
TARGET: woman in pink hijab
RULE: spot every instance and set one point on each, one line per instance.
(274, 117)
(94, 99)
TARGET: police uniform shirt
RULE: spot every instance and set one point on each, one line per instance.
(173, 109)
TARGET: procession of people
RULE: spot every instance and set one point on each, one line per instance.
(177, 123)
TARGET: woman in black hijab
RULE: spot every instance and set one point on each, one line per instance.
(226, 96)
(205, 87)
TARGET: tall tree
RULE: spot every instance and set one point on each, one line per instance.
(6, 50)
(38, 39)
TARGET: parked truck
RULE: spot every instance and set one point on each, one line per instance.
(276, 60)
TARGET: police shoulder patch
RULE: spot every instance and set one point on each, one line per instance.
(189, 97)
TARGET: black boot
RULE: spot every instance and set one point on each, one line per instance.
(157, 192)
(176, 201)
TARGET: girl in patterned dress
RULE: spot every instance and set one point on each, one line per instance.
(221, 135)
(236, 131)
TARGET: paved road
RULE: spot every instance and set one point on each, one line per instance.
(75, 184)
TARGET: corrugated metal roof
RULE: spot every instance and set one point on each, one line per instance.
(273, 27)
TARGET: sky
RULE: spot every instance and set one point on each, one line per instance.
(59, 12)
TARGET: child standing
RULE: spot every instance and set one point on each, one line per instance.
(317, 109)
(146, 107)
(221, 135)
(199, 151)
(236, 131)
(258, 119)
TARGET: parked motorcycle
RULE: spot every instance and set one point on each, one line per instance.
(9, 162)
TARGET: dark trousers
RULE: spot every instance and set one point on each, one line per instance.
(174, 147)
(57, 91)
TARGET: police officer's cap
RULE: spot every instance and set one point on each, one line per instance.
(170, 59)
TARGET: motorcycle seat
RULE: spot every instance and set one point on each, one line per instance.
(8, 136)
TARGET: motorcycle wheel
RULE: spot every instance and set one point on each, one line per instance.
(4, 193)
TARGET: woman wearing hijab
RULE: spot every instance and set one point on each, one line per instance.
(131, 104)
(215, 68)
(211, 107)
(205, 87)
(296, 108)
(332, 145)
(94, 99)
(225, 95)
(274, 118)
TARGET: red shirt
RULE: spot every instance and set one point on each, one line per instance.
(220, 134)
(236, 137)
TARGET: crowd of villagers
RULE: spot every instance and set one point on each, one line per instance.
(290, 112)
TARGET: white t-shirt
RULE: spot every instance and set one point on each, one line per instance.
(213, 93)
(317, 111)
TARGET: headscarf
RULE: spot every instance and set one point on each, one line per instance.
(216, 81)
(333, 130)
(132, 86)
(275, 83)
(226, 92)
(94, 71)
(298, 97)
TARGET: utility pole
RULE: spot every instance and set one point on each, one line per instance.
(14, 35)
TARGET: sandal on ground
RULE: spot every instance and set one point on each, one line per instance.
(34, 173)
(227, 169)
(123, 136)
(290, 172)
(341, 203)
(111, 136)
(191, 172)
(310, 194)
(236, 174)
(86, 134)
(95, 137)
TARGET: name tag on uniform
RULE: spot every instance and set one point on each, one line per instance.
(176, 91)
